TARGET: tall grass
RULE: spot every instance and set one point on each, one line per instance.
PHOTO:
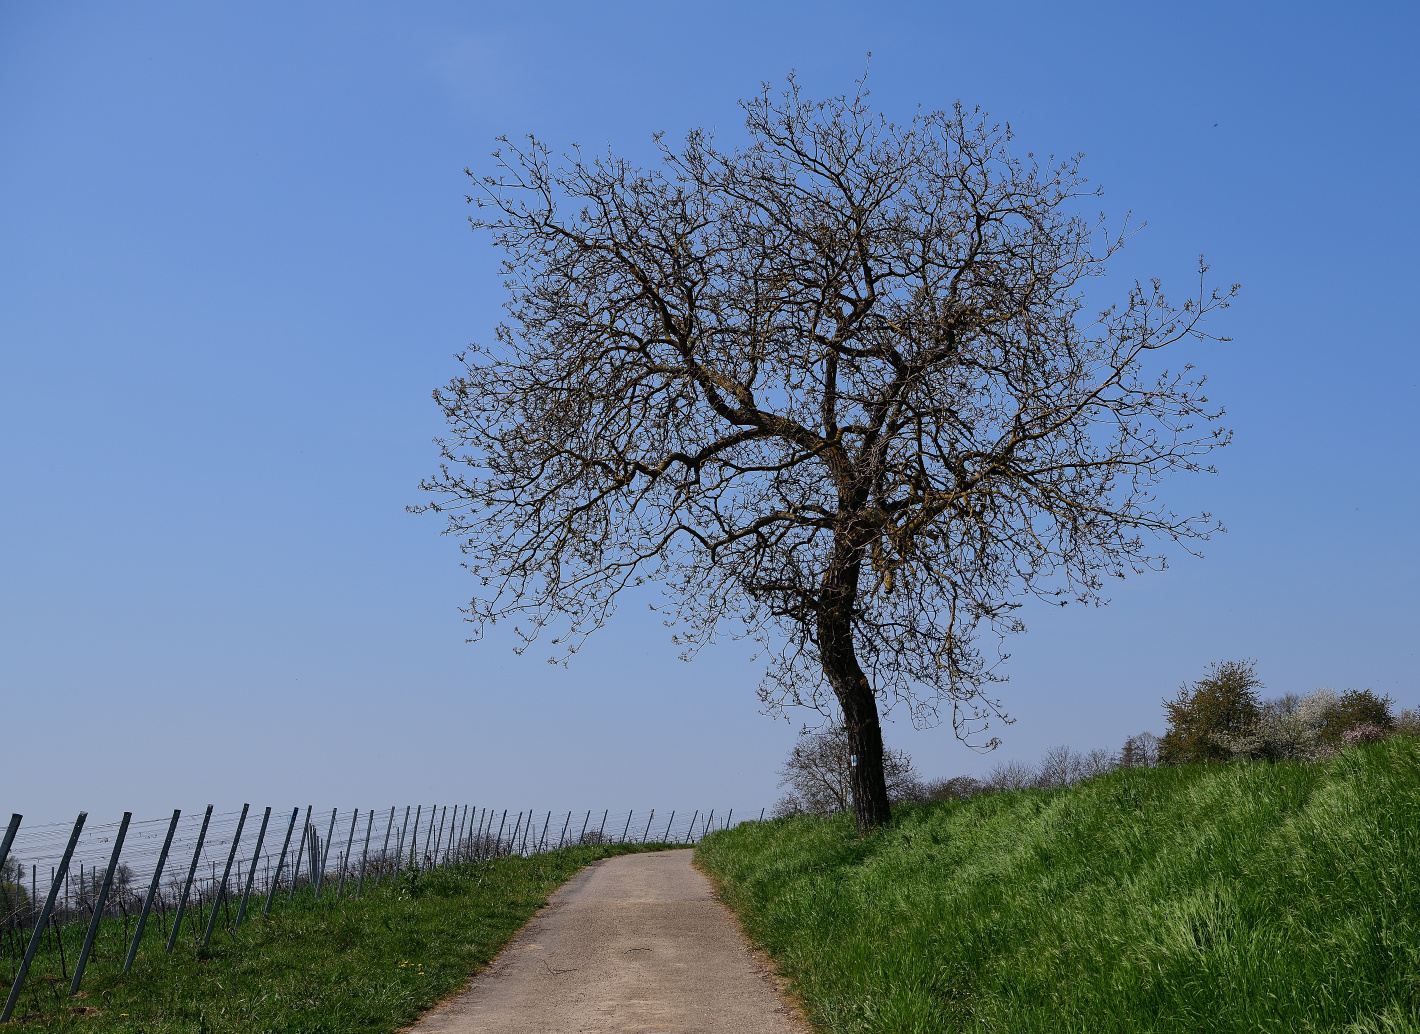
(1246, 897)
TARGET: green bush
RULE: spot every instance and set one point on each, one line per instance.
(1221, 705)
(1356, 707)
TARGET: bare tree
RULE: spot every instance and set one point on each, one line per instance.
(1141, 751)
(1012, 775)
(1060, 766)
(818, 774)
(957, 788)
(836, 390)
(1097, 762)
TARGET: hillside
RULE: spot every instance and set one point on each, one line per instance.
(1244, 897)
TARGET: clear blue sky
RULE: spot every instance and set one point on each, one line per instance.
(234, 263)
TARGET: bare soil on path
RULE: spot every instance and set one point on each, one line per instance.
(634, 943)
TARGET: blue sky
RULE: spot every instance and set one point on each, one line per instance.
(234, 262)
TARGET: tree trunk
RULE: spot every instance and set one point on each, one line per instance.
(855, 696)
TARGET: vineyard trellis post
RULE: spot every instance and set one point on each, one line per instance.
(399, 851)
(365, 854)
(10, 832)
(325, 852)
(226, 872)
(345, 858)
(438, 837)
(300, 851)
(191, 873)
(99, 907)
(152, 891)
(384, 851)
(38, 933)
(414, 835)
(456, 839)
(11, 917)
(429, 833)
(251, 872)
(280, 861)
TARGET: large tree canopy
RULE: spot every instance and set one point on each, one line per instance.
(836, 390)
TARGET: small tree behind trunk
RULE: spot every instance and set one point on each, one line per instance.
(821, 778)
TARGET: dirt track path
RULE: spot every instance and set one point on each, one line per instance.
(635, 943)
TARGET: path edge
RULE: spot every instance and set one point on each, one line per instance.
(782, 982)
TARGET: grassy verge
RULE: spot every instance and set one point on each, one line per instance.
(368, 965)
(1248, 897)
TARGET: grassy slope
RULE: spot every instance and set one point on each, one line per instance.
(370, 965)
(1243, 898)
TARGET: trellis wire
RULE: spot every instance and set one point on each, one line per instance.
(135, 869)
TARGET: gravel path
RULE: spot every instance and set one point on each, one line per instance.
(635, 943)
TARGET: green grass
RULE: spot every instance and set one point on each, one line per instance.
(370, 965)
(1250, 897)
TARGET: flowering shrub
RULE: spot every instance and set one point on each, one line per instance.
(1311, 727)
(1365, 732)
(1288, 729)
